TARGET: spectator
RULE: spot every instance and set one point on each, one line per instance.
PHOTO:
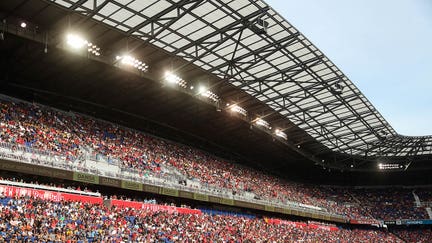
(69, 134)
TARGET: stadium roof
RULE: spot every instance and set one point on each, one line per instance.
(249, 45)
(241, 50)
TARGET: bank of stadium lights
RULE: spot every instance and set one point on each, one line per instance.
(281, 134)
(75, 41)
(390, 166)
(262, 123)
(203, 91)
(79, 43)
(174, 79)
(132, 62)
(237, 109)
(93, 49)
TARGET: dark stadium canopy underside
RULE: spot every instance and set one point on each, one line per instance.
(247, 53)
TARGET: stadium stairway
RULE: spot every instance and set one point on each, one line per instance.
(398, 236)
(419, 204)
(361, 205)
(417, 199)
(429, 212)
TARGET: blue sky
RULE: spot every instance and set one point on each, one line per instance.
(384, 47)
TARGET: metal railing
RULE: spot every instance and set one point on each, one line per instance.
(49, 188)
(19, 153)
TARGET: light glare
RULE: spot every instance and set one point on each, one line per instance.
(174, 79)
(75, 41)
(280, 134)
(203, 91)
(389, 166)
(238, 109)
(133, 62)
(262, 123)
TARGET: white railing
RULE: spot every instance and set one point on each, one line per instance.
(49, 188)
(84, 164)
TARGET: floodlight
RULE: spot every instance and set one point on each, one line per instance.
(174, 79)
(23, 24)
(262, 123)
(390, 166)
(171, 78)
(280, 134)
(127, 60)
(75, 41)
(203, 91)
(259, 27)
(132, 62)
(93, 49)
(78, 43)
(238, 109)
(337, 88)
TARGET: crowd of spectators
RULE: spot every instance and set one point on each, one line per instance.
(70, 134)
(50, 184)
(414, 234)
(376, 203)
(26, 219)
(425, 196)
(390, 204)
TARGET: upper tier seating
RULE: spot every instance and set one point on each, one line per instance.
(76, 136)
